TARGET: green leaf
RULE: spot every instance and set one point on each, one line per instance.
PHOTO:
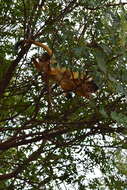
(101, 59)
(103, 112)
(119, 118)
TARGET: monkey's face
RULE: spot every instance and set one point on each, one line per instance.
(93, 87)
(89, 87)
(86, 88)
(42, 63)
(44, 58)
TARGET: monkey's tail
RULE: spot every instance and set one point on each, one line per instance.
(45, 47)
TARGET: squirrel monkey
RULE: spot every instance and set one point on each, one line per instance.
(81, 84)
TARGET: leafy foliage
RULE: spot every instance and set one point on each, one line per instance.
(46, 140)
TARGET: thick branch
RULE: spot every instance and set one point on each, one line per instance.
(9, 74)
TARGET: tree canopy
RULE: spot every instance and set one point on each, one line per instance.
(48, 141)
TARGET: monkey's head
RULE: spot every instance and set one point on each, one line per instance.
(44, 57)
(87, 88)
(42, 62)
(93, 87)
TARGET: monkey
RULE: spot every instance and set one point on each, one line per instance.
(69, 81)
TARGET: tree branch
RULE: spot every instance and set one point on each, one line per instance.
(9, 74)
